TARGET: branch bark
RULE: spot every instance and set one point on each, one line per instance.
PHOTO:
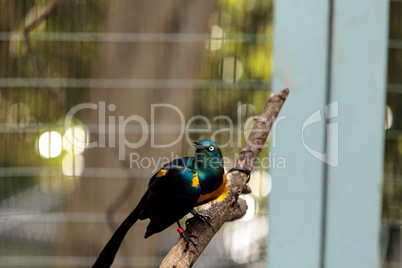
(232, 207)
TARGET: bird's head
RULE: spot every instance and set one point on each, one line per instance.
(208, 155)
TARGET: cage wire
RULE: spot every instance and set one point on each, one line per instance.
(60, 199)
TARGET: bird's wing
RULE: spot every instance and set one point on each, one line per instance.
(173, 192)
(181, 164)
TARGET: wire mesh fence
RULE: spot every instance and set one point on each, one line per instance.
(189, 70)
(77, 81)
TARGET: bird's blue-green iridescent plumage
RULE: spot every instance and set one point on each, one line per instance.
(172, 193)
(209, 166)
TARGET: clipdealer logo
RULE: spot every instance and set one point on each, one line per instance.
(331, 155)
(118, 124)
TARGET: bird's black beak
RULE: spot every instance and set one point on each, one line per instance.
(198, 145)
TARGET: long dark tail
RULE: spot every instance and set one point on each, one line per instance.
(106, 257)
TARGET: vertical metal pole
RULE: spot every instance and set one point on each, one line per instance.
(359, 85)
(295, 205)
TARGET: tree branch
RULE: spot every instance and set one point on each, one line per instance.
(232, 207)
(34, 57)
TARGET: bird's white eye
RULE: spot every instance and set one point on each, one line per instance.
(211, 148)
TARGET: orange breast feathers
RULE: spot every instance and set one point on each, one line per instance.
(218, 195)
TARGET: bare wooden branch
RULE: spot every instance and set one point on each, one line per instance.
(232, 207)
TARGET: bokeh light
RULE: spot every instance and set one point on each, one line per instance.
(216, 36)
(50, 144)
(242, 240)
(389, 117)
(230, 69)
(72, 165)
(75, 140)
(260, 183)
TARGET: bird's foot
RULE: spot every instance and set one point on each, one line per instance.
(204, 218)
(188, 238)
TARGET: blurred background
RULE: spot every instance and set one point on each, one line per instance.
(392, 187)
(60, 201)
